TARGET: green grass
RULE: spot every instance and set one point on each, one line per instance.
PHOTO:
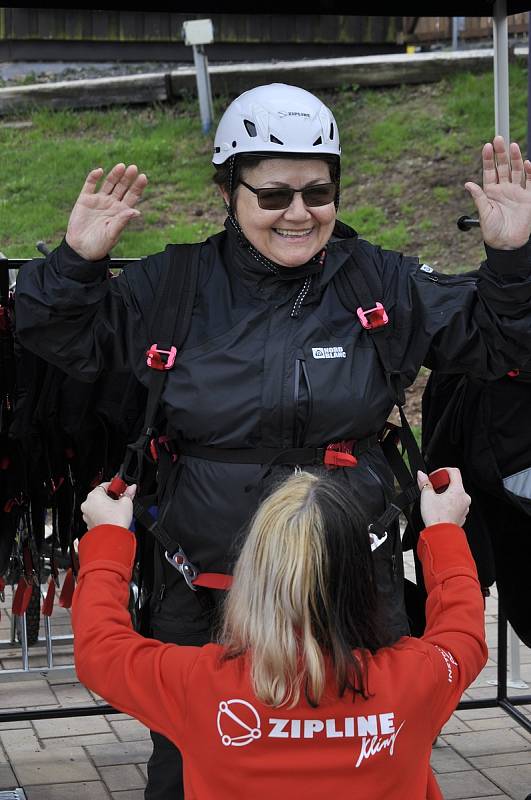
(388, 136)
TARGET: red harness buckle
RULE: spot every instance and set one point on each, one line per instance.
(373, 318)
(155, 358)
(338, 454)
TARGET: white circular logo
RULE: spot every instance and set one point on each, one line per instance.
(238, 723)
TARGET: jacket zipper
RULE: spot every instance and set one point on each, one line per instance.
(300, 366)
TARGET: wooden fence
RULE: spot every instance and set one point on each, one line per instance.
(424, 30)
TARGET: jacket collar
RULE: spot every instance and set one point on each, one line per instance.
(267, 275)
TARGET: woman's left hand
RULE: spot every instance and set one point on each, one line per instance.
(100, 509)
(504, 203)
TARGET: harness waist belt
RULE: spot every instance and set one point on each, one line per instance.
(269, 455)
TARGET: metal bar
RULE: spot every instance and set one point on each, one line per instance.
(502, 654)
(528, 152)
(16, 263)
(57, 713)
(501, 69)
(508, 707)
(204, 90)
(48, 635)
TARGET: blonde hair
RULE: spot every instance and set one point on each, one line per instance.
(278, 578)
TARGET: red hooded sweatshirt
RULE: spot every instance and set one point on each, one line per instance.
(235, 747)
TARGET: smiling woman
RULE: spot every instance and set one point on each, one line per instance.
(280, 369)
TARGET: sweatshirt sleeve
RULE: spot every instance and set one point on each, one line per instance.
(455, 618)
(139, 676)
(76, 315)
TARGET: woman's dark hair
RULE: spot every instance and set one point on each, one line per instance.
(348, 617)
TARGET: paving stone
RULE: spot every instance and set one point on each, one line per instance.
(445, 759)
(86, 790)
(478, 743)
(135, 794)
(514, 780)
(493, 723)
(71, 694)
(455, 725)
(82, 741)
(71, 726)
(464, 785)
(119, 778)
(50, 766)
(27, 694)
(129, 730)
(501, 760)
(143, 769)
(7, 777)
(19, 740)
(480, 713)
(11, 726)
(120, 753)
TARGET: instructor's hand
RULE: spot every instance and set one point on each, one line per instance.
(100, 215)
(450, 506)
(100, 509)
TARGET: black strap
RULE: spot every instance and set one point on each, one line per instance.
(168, 327)
(269, 455)
(355, 292)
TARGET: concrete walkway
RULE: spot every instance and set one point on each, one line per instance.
(480, 754)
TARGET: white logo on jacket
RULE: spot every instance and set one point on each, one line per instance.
(240, 718)
(239, 724)
(328, 352)
(449, 661)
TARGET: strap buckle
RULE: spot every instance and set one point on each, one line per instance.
(373, 317)
(156, 360)
(179, 560)
(339, 454)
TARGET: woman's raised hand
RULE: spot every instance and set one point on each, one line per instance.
(504, 203)
(100, 215)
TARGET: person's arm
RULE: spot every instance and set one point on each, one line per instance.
(141, 677)
(67, 308)
(455, 626)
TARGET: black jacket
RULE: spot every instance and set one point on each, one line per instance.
(275, 359)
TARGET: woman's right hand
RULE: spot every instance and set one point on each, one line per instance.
(99, 216)
(450, 506)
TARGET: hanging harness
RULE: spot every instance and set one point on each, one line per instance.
(169, 329)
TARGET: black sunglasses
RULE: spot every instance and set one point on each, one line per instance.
(278, 198)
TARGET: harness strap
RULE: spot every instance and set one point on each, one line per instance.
(272, 455)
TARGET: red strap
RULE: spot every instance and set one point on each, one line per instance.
(22, 597)
(67, 592)
(47, 606)
(213, 580)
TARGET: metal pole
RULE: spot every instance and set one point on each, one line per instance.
(203, 87)
(455, 33)
(528, 152)
(501, 69)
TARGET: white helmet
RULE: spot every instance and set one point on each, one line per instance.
(277, 119)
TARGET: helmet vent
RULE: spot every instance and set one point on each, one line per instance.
(318, 141)
(274, 139)
(331, 132)
(250, 127)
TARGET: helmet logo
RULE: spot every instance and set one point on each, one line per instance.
(293, 114)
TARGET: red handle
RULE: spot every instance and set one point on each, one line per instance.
(116, 488)
(440, 480)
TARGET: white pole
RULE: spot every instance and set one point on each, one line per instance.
(501, 124)
(501, 69)
(204, 90)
